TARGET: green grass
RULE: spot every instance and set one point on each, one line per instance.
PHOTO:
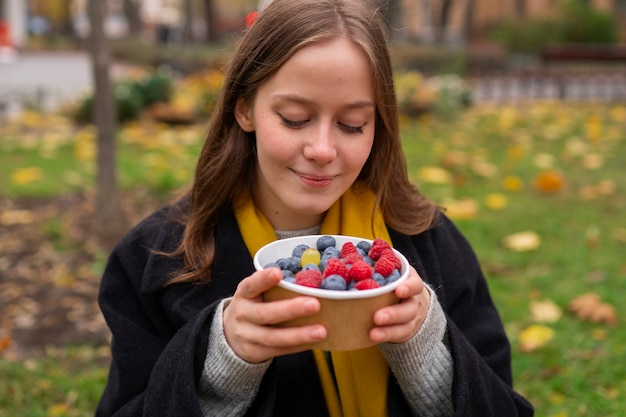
(581, 227)
(65, 382)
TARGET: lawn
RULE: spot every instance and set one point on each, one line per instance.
(538, 189)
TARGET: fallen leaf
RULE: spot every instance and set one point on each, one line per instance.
(590, 307)
(435, 175)
(522, 241)
(463, 209)
(496, 201)
(26, 175)
(545, 311)
(550, 181)
(534, 337)
(13, 217)
(512, 183)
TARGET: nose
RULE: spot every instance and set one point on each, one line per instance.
(321, 145)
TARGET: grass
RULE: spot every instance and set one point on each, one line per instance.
(553, 169)
(65, 382)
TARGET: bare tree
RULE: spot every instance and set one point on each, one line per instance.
(131, 11)
(468, 21)
(443, 20)
(188, 22)
(392, 14)
(109, 223)
(210, 19)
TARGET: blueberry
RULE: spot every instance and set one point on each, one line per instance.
(297, 251)
(310, 266)
(368, 260)
(324, 242)
(290, 279)
(271, 265)
(334, 282)
(292, 264)
(379, 278)
(331, 252)
(394, 276)
(287, 274)
(364, 246)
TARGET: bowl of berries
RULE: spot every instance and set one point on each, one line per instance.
(352, 277)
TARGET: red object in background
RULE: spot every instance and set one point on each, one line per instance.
(5, 36)
(251, 17)
(7, 50)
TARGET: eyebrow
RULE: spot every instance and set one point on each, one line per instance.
(301, 100)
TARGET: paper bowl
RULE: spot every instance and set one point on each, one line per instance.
(347, 315)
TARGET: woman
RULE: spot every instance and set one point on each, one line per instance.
(304, 140)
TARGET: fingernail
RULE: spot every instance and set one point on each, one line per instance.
(317, 334)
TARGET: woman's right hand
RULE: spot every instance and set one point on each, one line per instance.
(249, 321)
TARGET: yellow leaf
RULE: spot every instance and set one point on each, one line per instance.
(11, 217)
(512, 183)
(592, 161)
(544, 160)
(534, 337)
(435, 175)
(522, 241)
(545, 311)
(465, 209)
(496, 201)
(26, 175)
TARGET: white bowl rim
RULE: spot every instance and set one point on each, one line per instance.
(333, 294)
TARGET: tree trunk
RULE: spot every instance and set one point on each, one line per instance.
(468, 21)
(109, 224)
(131, 11)
(188, 22)
(520, 8)
(444, 17)
(210, 19)
(392, 13)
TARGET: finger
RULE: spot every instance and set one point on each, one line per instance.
(396, 314)
(288, 338)
(259, 282)
(413, 285)
(275, 312)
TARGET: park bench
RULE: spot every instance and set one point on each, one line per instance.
(587, 52)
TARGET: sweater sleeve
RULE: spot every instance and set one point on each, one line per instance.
(228, 384)
(423, 365)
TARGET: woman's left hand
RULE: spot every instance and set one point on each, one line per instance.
(398, 323)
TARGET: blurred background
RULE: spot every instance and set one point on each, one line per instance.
(513, 119)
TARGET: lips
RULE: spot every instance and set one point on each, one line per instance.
(315, 180)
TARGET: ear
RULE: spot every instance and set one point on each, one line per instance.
(243, 114)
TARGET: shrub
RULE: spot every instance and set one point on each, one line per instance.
(574, 22)
(131, 97)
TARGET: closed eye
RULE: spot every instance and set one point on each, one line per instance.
(352, 129)
(294, 124)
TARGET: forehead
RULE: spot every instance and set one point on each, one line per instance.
(329, 67)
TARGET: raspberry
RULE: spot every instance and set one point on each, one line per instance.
(309, 278)
(336, 267)
(352, 258)
(389, 253)
(384, 266)
(360, 271)
(367, 284)
(377, 248)
(347, 249)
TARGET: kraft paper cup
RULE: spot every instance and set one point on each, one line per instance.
(347, 315)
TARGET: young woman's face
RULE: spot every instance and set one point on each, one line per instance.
(314, 123)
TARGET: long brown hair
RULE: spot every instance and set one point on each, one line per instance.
(228, 157)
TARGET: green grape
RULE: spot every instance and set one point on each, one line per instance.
(310, 256)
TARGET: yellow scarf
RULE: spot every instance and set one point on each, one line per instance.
(361, 375)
